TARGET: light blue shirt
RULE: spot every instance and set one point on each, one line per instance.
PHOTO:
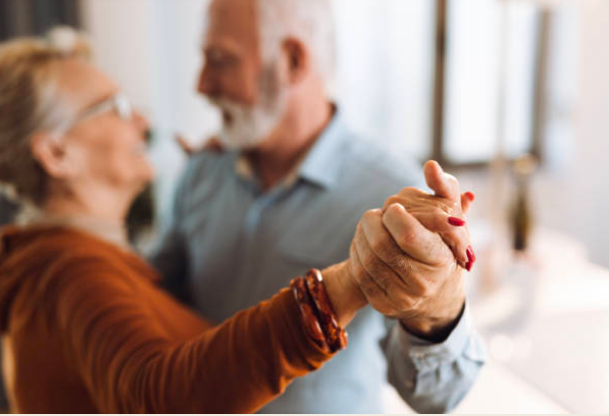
(232, 245)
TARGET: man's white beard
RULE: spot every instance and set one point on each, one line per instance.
(250, 126)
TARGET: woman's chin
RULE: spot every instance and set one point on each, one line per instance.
(142, 179)
(146, 172)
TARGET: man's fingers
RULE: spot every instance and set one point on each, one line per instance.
(374, 293)
(186, 147)
(211, 145)
(414, 239)
(443, 184)
(393, 270)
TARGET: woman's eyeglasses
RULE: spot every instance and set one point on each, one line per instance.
(119, 103)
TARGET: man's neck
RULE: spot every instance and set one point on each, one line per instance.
(278, 156)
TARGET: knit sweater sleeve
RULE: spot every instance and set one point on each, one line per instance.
(130, 364)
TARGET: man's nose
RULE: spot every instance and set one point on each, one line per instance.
(207, 84)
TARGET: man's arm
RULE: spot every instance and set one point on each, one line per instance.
(433, 378)
(406, 259)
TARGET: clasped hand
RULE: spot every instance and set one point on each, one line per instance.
(408, 259)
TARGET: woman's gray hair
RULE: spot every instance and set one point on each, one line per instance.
(310, 21)
(31, 102)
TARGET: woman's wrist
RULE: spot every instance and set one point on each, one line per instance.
(344, 293)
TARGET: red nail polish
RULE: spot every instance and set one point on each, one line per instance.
(470, 196)
(471, 256)
(457, 222)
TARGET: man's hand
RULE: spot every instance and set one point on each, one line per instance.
(213, 144)
(402, 263)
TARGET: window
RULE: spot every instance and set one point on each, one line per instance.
(35, 17)
(385, 75)
(457, 80)
(492, 69)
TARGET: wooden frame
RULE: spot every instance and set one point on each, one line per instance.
(439, 88)
(36, 17)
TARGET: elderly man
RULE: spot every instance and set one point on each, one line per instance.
(286, 194)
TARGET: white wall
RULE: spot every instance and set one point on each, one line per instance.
(580, 201)
(152, 48)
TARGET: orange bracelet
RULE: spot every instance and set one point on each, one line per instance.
(336, 337)
(307, 311)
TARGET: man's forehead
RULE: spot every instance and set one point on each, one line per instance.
(232, 19)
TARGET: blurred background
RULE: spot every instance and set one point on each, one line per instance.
(512, 96)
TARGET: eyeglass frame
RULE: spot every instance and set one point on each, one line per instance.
(118, 103)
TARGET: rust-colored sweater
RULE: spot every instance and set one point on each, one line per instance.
(85, 329)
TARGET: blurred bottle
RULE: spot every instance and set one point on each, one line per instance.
(521, 218)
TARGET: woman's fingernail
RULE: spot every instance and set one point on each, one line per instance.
(470, 196)
(470, 254)
(457, 222)
(471, 258)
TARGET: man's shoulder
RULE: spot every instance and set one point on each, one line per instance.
(366, 162)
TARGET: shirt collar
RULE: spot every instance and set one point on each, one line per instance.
(319, 166)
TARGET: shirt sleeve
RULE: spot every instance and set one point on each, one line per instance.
(130, 364)
(434, 378)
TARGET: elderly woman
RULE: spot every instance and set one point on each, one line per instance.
(85, 328)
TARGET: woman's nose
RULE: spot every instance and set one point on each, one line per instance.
(141, 122)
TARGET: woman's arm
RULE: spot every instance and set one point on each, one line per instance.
(130, 364)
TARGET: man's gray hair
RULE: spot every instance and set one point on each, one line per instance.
(310, 21)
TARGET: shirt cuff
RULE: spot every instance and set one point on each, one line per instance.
(426, 355)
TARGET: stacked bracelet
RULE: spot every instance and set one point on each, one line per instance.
(318, 314)
(336, 337)
(309, 317)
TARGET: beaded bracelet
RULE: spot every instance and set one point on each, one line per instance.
(307, 311)
(336, 337)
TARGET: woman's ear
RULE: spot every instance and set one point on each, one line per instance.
(298, 59)
(52, 156)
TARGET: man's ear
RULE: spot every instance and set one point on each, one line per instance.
(51, 155)
(297, 58)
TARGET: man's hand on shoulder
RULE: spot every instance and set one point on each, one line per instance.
(212, 145)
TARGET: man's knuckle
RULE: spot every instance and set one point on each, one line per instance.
(379, 244)
(369, 216)
(369, 260)
(407, 238)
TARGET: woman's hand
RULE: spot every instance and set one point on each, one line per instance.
(443, 213)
